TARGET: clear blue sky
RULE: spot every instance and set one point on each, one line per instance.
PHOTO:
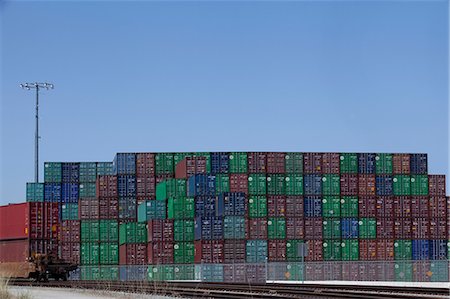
(183, 76)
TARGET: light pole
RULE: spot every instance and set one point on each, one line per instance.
(36, 86)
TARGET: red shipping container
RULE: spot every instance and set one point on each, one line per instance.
(295, 228)
(160, 253)
(314, 250)
(366, 184)
(106, 186)
(146, 187)
(88, 208)
(276, 250)
(294, 206)
(385, 228)
(401, 163)
(420, 228)
(367, 206)
(256, 228)
(438, 206)
(160, 230)
(43, 246)
(385, 249)
(385, 206)
(14, 221)
(276, 162)
(208, 252)
(190, 166)
(238, 183)
(331, 163)
(14, 250)
(133, 254)
(350, 271)
(436, 185)
(70, 252)
(257, 162)
(51, 220)
(235, 273)
(313, 228)
(145, 164)
(312, 163)
(256, 273)
(234, 251)
(70, 231)
(349, 184)
(438, 228)
(402, 206)
(422, 271)
(108, 208)
(276, 205)
(367, 250)
(314, 271)
(402, 228)
(419, 206)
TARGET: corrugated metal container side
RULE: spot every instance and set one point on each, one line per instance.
(366, 163)
(126, 185)
(276, 184)
(313, 228)
(420, 249)
(402, 206)
(35, 192)
(87, 190)
(436, 185)
(146, 187)
(331, 184)
(349, 184)
(90, 253)
(438, 249)
(256, 228)
(419, 185)
(312, 162)
(234, 251)
(133, 273)
(349, 206)
(349, 163)
(367, 228)
(209, 273)
(383, 163)
(108, 230)
(208, 251)
(234, 227)
(104, 168)
(331, 163)
(201, 184)
(150, 210)
(420, 206)
(257, 184)
(160, 252)
(88, 172)
(234, 273)
(183, 230)
(385, 207)
(438, 228)
(331, 228)
(292, 250)
(256, 251)
(257, 206)
(109, 253)
(181, 208)
(331, 206)
(385, 228)
(145, 164)
(208, 228)
(239, 183)
(294, 184)
(52, 192)
(257, 162)
(313, 206)
(209, 206)
(420, 228)
(367, 206)
(419, 163)
(70, 252)
(160, 230)
(132, 232)
(184, 253)
(350, 228)
(294, 162)
(401, 163)
(190, 166)
(384, 185)
(402, 228)
(238, 162)
(88, 208)
(108, 208)
(69, 192)
(276, 205)
(133, 254)
(332, 250)
(70, 172)
(106, 186)
(366, 184)
(52, 172)
(69, 211)
(276, 228)
(128, 208)
(294, 206)
(402, 185)
(312, 184)
(235, 203)
(295, 228)
(403, 250)
(164, 163)
(222, 183)
(276, 250)
(315, 250)
(70, 231)
(276, 162)
(124, 163)
(350, 250)
(220, 163)
(385, 249)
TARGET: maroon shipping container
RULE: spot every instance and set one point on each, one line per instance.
(15, 221)
(209, 251)
(70, 252)
(421, 271)
(438, 228)
(276, 205)
(276, 250)
(294, 206)
(367, 250)
(160, 253)
(256, 228)
(234, 251)
(385, 206)
(314, 271)
(368, 272)
(438, 206)
(420, 228)
(106, 186)
(295, 228)
(350, 271)
(146, 186)
(21, 249)
(313, 228)
(420, 206)
(402, 228)
(239, 183)
(367, 206)
(69, 231)
(332, 271)
(145, 164)
(385, 228)
(436, 185)
(160, 230)
(133, 254)
(331, 163)
(88, 208)
(385, 249)
(257, 162)
(256, 273)
(190, 166)
(51, 220)
(366, 184)
(401, 163)
(276, 162)
(108, 208)
(349, 184)
(235, 273)
(312, 163)
(402, 206)
(43, 246)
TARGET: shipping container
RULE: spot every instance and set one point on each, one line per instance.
(420, 228)
(403, 271)
(235, 273)
(52, 172)
(420, 206)
(181, 208)
(234, 251)
(87, 172)
(220, 163)
(367, 228)
(403, 250)
(419, 163)
(146, 187)
(256, 228)
(133, 254)
(183, 230)
(294, 206)
(313, 206)
(209, 206)
(161, 273)
(367, 207)
(276, 250)
(69, 211)
(107, 186)
(438, 206)
(88, 208)
(331, 228)
(419, 185)
(238, 163)
(331, 163)
(315, 250)
(402, 228)
(126, 185)
(350, 250)
(35, 192)
(257, 206)
(70, 252)
(69, 192)
(366, 163)
(234, 227)
(331, 184)
(383, 163)
(350, 228)
(385, 228)
(160, 230)
(331, 206)
(132, 232)
(349, 206)
(108, 208)
(438, 249)
(276, 205)
(52, 192)
(438, 228)
(257, 162)
(385, 249)
(127, 209)
(133, 273)
(349, 163)
(70, 172)
(276, 228)
(160, 252)
(367, 250)
(293, 163)
(295, 228)
(183, 253)
(332, 250)
(256, 251)
(145, 164)
(257, 184)
(349, 184)
(439, 271)
(384, 185)
(209, 272)
(104, 168)
(366, 184)
(401, 163)
(164, 163)
(235, 203)
(208, 228)
(294, 252)
(276, 162)
(199, 184)
(70, 231)
(420, 249)
(313, 228)
(294, 184)
(124, 164)
(436, 185)
(151, 210)
(207, 251)
(87, 190)
(312, 162)
(239, 183)
(312, 184)
(108, 230)
(190, 166)
(109, 253)
(222, 183)
(276, 184)
(90, 253)
(385, 207)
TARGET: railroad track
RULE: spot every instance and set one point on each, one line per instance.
(227, 291)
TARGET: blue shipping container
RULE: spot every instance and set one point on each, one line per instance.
(126, 185)
(124, 163)
(384, 185)
(420, 249)
(209, 272)
(234, 203)
(234, 227)
(70, 172)
(349, 228)
(52, 192)
(127, 208)
(208, 228)
(133, 273)
(438, 249)
(69, 192)
(419, 163)
(201, 184)
(312, 184)
(219, 163)
(366, 163)
(256, 251)
(209, 206)
(313, 206)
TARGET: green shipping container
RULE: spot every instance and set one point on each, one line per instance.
(383, 163)
(276, 228)
(350, 250)
(332, 250)
(183, 230)
(109, 230)
(439, 271)
(69, 211)
(178, 157)
(331, 206)
(331, 184)
(276, 184)
(294, 184)
(35, 192)
(184, 272)
(294, 272)
(90, 231)
(403, 271)
(88, 172)
(151, 210)
(52, 172)
(293, 162)
(181, 208)
(234, 227)
(403, 250)
(183, 253)
(331, 228)
(238, 162)
(349, 206)
(88, 190)
(160, 273)
(419, 185)
(132, 232)
(164, 163)
(402, 185)
(109, 253)
(292, 251)
(257, 184)
(171, 188)
(105, 168)
(109, 273)
(90, 273)
(90, 253)
(257, 207)
(222, 183)
(367, 228)
(349, 163)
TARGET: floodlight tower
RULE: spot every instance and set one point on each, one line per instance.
(36, 86)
